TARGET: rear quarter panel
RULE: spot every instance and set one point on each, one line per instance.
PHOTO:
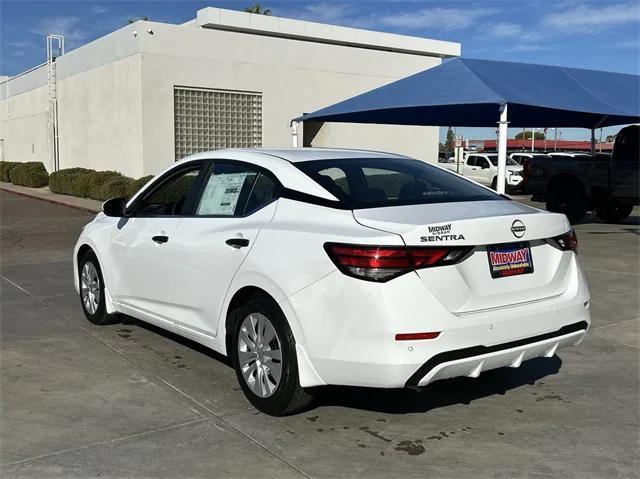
(288, 255)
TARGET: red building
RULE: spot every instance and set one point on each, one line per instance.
(541, 145)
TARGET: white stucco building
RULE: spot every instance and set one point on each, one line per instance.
(141, 97)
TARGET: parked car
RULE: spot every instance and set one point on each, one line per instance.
(483, 168)
(523, 158)
(606, 184)
(568, 154)
(311, 267)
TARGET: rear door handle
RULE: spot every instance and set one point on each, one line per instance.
(160, 239)
(237, 242)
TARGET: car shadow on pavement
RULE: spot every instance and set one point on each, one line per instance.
(402, 401)
(591, 219)
(187, 343)
(440, 393)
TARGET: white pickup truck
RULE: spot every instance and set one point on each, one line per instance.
(483, 168)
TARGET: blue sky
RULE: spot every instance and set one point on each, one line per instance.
(603, 35)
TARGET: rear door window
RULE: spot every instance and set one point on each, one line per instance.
(235, 189)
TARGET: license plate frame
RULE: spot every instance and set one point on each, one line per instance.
(510, 259)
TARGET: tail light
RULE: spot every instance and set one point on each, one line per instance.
(382, 263)
(567, 241)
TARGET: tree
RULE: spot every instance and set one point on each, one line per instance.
(451, 140)
(527, 135)
(256, 8)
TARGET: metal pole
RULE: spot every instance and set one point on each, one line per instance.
(502, 149)
(593, 141)
(600, 147)
(294, 133)
(555, 140)
(533, 138)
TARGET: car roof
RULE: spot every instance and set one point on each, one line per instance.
(295, 155)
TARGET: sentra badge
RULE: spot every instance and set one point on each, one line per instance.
(441, 233)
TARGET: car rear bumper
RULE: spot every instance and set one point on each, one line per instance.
(472, 361)
(352, 342)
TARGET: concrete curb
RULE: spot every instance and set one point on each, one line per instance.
(54, 198)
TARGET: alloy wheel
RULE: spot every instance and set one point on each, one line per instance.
(260, 355)
(90, 287)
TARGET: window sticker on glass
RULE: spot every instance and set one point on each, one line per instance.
(220, 196)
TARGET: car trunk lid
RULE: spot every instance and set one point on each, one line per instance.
(468, 286)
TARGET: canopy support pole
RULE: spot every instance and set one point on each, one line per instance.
(294, 134)
(502, 149)
(593, 141)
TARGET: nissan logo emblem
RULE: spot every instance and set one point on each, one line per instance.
(518, 228)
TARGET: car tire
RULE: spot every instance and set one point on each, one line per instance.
(91, 286)
(260, 329)
(613, 212)
(567, 199)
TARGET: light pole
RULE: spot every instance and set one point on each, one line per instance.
(555, 139)
(533, 138)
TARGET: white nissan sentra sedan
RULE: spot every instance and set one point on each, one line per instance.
(311, 267)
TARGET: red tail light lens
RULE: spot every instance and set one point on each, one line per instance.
(567, 241)
(382, 263)
(416, 336)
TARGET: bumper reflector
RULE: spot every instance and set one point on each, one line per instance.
(416, 336)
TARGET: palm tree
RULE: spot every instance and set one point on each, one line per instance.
(256, 8)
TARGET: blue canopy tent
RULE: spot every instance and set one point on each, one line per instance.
(481, 93)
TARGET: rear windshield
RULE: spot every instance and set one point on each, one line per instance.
(376, 182)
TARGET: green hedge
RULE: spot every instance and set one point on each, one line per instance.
(72, 181)
(97, 185)
(5, 167)
(31, 173)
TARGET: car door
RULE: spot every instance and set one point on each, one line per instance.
(470, 168)
(138, 250)
(624, 165)
(484, 172)
(210, 244)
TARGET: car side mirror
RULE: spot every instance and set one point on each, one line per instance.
(115, 207)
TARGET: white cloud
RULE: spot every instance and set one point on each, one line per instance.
(590, 19)
(323, 12)
(68, 26)
(438, 18)
(99, 9)
(443, 19)
(328, 12)
(526, 47)
(627, 45)
(503, 29)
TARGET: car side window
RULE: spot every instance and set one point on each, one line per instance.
(169, 197)
(264, 191)
(334, 180)
(483, 163)
(471, 161)
(234, 189)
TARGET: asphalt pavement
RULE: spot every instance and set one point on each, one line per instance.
(130, 400)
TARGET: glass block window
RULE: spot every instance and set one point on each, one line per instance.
(212, 119)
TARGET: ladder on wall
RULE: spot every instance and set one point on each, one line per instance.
(55, 49)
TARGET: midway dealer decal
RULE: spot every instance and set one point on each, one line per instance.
(510, 260)
(441, 233)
